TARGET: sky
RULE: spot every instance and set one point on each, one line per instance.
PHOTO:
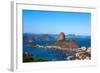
(52, 22)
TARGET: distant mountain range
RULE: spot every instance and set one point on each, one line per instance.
(39, 36)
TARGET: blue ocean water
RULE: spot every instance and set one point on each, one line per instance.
(83, 41)
(53, 54)
(47, 54)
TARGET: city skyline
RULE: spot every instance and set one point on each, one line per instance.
(52, 22)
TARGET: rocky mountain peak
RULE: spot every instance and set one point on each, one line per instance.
(61, 37)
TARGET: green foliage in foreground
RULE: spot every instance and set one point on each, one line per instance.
(28, 58)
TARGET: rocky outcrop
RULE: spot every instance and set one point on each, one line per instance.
(68, 44)
(61, 37)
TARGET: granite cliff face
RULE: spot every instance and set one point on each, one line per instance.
(61, 37)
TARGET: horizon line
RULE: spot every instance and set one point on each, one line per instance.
(59, 33)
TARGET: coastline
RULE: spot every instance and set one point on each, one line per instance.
(82, 53)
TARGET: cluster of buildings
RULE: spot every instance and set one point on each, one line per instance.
(83, 53)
